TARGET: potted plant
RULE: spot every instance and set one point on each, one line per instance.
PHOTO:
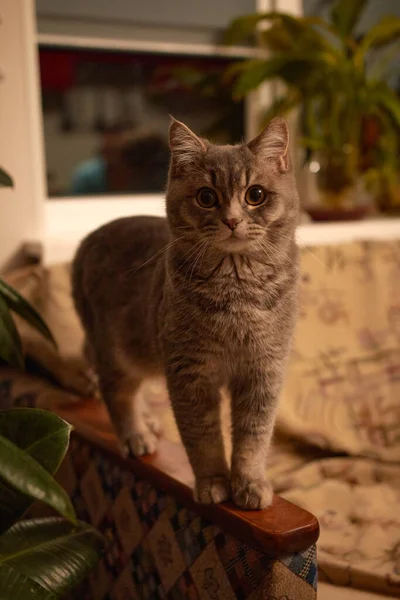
(333, 77)
(42, 558)
(39, 558)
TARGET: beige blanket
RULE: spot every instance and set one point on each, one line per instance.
(337, 447)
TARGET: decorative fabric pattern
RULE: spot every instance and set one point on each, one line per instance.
(159, 549)
(343, 385)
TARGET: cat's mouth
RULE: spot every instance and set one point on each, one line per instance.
(234, 241)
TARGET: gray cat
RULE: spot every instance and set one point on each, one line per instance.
(207, 298)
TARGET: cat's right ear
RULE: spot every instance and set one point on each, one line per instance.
(186, 148)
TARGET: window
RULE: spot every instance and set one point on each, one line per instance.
(106, 115)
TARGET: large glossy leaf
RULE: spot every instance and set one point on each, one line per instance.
(385, 31)
(20, 306)
(10, 343)
(345, 15)
(5, 179)
(23, 473)
(44, 437)
(44, 559)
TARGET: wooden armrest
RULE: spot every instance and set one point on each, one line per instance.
(280, 529)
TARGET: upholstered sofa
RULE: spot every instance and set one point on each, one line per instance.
(336, 453)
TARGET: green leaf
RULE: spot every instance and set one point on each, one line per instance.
(5, 179)
(40, 433)
(43, 436)
(45, 559)
(20, 306)
(255, 73)
(290, 68)
(386, 98)
(385, 31)
(23, 473)
(299, 35)
(345, 15)
(284, 31)
(10, 342)
(242, 27)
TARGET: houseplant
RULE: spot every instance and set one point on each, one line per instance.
(46, 558)
(333, 78)
(41, 559)
(11, 300)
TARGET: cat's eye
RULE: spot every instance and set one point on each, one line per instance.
(255, 195)
(207, 198)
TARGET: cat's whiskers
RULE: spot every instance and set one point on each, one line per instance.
(302, 245)
(200, 254)
(135, 270)
(191, 252)
(272, 251)
(204, 253)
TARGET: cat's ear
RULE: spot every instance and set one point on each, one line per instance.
(186, 147)
(273, 144)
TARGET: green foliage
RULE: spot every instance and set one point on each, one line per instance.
(5, 179)
(327, 74)
(43, 438)
(345, 15)
(24, 474)
(43, 558)
(46, 558)
(20, 306)
(10, 343)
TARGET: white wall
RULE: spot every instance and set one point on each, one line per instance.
(21, 209)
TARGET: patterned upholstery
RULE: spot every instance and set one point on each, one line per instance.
(160, 549)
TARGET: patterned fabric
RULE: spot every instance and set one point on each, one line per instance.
(160, 549)
(343, 386)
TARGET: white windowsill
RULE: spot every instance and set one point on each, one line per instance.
(68, 220)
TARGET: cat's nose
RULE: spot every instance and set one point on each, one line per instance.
(232, 223)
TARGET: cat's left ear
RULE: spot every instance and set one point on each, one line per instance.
(186, 148)
(272, 144)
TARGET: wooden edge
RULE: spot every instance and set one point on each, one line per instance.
(280, 529)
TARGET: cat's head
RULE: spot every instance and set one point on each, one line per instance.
(231, 195)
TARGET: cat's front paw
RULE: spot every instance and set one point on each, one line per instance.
(212, 490)
(139, 443)
(251, 495)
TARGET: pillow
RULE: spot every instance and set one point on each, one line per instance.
(49, 291)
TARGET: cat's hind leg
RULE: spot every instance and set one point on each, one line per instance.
(136, 428)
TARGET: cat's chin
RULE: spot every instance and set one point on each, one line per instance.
(234, 244)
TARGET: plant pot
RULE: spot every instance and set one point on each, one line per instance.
(325, 213)
(333, 197)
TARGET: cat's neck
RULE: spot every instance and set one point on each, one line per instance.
(261, 266)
